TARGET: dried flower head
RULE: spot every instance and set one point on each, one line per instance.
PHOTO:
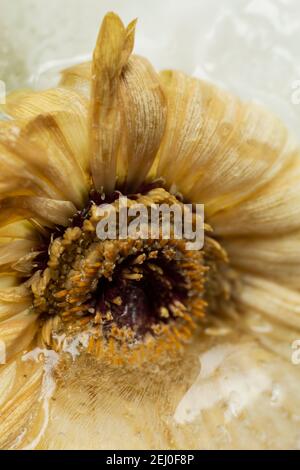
(102, 338)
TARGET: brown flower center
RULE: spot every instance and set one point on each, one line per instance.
(119, 299)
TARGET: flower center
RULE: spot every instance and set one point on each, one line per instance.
(123, 298)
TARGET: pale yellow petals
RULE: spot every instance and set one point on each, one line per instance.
(21, 407)
(276, 258)
(17, 240)
(278, 303)
(49, 212)
(46, 153)
(22, 230)
(69, 113)
(8, 280)
(20, 175)
(17, 332)
(28, 105)
(63, 138)
(7, 379)
(274, 210)
(113, 48)
(270, 312)
(144, 116)
(78, 78)
(216, 149)
(13, 99)
(11, 251)
(10, 309)
(13, 293)
(26, 166)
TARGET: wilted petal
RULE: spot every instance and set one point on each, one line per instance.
(21, 164)
(271, 313)
(216, 149)
(127, 109)
(113, 48)
(63, 135)
(22, 413)
(276, 258)
(29, 104)
(78, 78)
(49, 152)
(69, 111)
(17, 332)
(8, 280)
(273, 210)
(48, 212)
(10, 252)
(16, 241)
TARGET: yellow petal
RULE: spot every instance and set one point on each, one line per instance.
(273, 210)
(16, 241)
(11, 251)
(127, 115)
(8, 280)
(276, 258)
(64, 140)
(29, 104)
(48, 212)
(114, 45)
(279, 303)
(24, 172)
(21, 407)
(51, 138)
(78, 78)
(144, 116)
(19, 231)
(17, 332)
(270, 312)
(216, 149)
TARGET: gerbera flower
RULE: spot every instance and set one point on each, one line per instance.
(141, 343)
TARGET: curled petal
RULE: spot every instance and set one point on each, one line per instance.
(63, 135)
(8, 280)
(17, 332)
(49, 151)
(48, 212)
(20, 175)
(16, 241)
(271, 313)
(276, 258)
(10, 252)
(216, 149)
(19, 231)
(78, 78)
(114, 45)
(273, 210)
(21, 404)
(29, 104)
(144, 107)
(279, 303)
(127, 115)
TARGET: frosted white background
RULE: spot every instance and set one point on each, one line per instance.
(251, 47)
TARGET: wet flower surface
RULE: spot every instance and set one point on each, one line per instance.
(170, 347)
